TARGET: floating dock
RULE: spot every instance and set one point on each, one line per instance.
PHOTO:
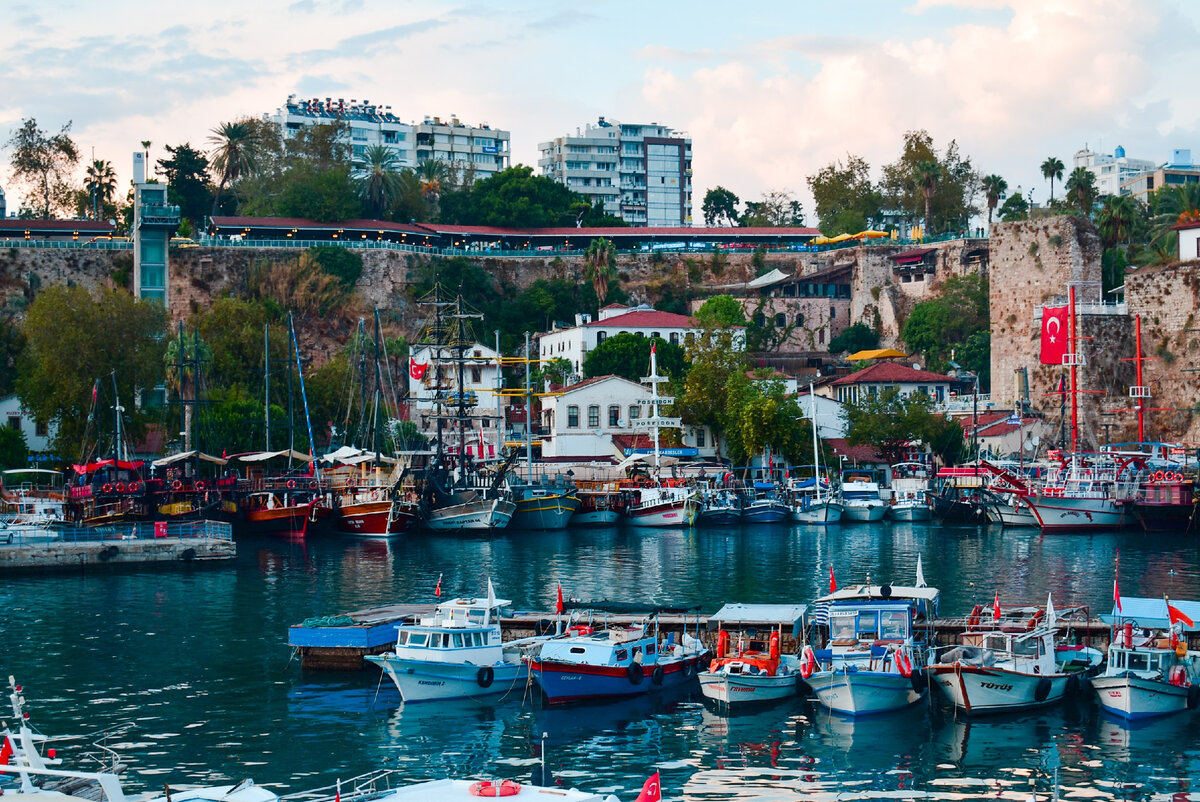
(141, 544)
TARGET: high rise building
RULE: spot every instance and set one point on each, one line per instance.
(1112, 170)
(479, 150)
(642, 173)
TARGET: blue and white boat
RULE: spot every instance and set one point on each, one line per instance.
(458, 653)
(719, 507)
(765, 507)
(1150, 671)
(872, 654)
(614, 661)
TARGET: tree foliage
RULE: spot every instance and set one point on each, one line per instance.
(947, 191)
(720, 312)
(628, 355)
(1052, 169)
(342, 263)
(74, 339)
(776, 208)
(516, 198)
(720, 207)
(846, 200)
(14, 450)
(947, 322)
(890, 422)
(1015, 208)
(854, 338)
(600, 266)
(189, 186)
(993, 187)
(43, 162)
(1081, 191)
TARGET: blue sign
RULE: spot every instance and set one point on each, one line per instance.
(486, 149)
(666, 452)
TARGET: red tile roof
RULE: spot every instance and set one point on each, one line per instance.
(864, 453)
(893, 372)
(624, 441)
(591, 381)
(912, 256)
(647, 319)
(89, 226)
(300, 222)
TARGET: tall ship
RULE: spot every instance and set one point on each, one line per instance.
(456, 490)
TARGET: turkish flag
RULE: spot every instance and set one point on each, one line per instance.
(651, 790)
(558, 605)
(1177, 616)
(1054, 334)
(416, 369)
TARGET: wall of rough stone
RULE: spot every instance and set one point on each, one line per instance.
(23, 271)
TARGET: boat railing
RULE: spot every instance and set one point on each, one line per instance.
(362, 787)
(112, 533)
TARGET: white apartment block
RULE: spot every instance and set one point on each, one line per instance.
(478, 384)
(481, 150)
(641, 172)
(1112, 170)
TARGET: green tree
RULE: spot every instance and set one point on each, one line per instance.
(185, 359)
(43, 162)
(1172, 206)
(993, 187)
(761, 416)
(14, 451)
(890, 422)
(237, 147)
(406, 436)
(101, 184)
(600, 266)
(628, 355)
(717, 373)
(342, 263)
(777, 208)
(554, 370)
(720, 312)
(378, 178)
(947, 322)
(1081, 190)
(846, 200)
(928, 176)
(74, 339)
(513, 198)
(325, 195)
(188, 184)
(1052, 168)
(1015, 208)
(854, 338)
(233, 327)
(906, 186)
(720, 207)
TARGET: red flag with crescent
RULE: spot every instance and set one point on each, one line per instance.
(1054, 334)
(651, 790)
(416, 369)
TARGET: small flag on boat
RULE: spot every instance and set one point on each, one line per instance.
(491, 601)
(558, 605)
(1117, 595)
(920, 574)
(996, 606)
(338, 796)
(1177, 616)
(651, 790)
(653, 348)
(1051, 617)
(6, 751)
(437, 591)
(832, 581)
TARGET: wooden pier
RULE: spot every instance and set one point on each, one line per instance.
(120, 546)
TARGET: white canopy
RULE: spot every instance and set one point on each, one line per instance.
(263, 456)
(186, 455)
(761, 614)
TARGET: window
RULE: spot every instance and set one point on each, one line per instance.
(600, 337)
(572, 417)
(14, 422)
(675, 334)
(700, 439)
(635, 412)
(614, 415)
(594, 416)
(42, 429)
(476, 374)
(821, 336)
(781, 320)
(799, 320)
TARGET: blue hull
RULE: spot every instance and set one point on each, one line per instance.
(563, 682)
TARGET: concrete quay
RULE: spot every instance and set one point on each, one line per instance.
(118, 546)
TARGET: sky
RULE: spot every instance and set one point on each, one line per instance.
(769, 92)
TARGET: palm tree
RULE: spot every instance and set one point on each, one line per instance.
(1117, 219)
(236, 151)
(600, 266)
(1172, 205)
(1052, 168)
(378, 179)
(994, 186)
(101, 184)
(434, 174)
(928, 175)
(1081, 190)
(190, 352)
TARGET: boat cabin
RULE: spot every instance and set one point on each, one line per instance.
(457, 625)
(609, 647)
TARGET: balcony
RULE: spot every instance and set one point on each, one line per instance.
(158, 215)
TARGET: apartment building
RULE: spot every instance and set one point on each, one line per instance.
(642, 173)
(481, 150)
(1112, 170)
(1179, 170)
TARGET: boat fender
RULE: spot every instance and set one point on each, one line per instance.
(1178, 676)
(808, 662)
(488, 788)
(1193, 697)
(635, 673)
(656, 676)
(187, 555)
(1042, 691)
(687, 669)
(200, 485)
(904, 664)
(312, 485)
(1181, 650)
(107, 488)
(973, 621)
(1072, 685)
(722, 643)
(485, 676)
(918, 682)
(773, 652)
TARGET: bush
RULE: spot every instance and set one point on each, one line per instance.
(342, 263)
(858, 337)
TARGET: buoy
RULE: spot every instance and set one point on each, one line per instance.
(722, 643)
(656, 676)
(485, 676)
(1128, 634)
(773, 649)
(635, 673)
(489, 788)
(904, 664)
(808, 662)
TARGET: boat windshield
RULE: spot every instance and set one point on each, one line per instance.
(841, 626)
(868, 625)
(893, 624)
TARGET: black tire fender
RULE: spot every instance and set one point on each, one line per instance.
(688, 669)
(918, 680)
(1073, 683)
(1193, 697)
(656, 676)
(636, 673)
(485, 677)
(1042, 690)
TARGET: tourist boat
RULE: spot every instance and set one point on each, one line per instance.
(33, 495)
(719, 506)
(871, 658)
(1079, 496)
(910, 492)
(861, 499)
(600, 504)
(291, 503)
(1165, 501)
(660, 504)
(957, 497)
(1150, 670)
(457, 653)
(607, 662)
(368, 499)
(542, 504)
(749, 670)
(765, 506)
(813, 501)
(1007, 663)
(107, 491)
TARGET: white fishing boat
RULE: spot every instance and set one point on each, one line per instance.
(813, 500)
(872, 651)
(910, 492)
(469, 510)
(459, 652)
(1150, 671)
(1007, 663)
(751, 669)
(392, 785)
(861, 498)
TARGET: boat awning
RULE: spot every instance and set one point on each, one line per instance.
(186, 455)
(758, 614)
(1152, 613)
(897, 592)
(263, 456)
(605, 606)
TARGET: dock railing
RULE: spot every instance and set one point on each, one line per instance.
(17, 535)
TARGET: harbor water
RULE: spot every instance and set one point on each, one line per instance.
(194, 660)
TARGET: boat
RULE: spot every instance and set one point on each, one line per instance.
(813, 501)
(1150, 671)
(720, 504)
(872, 651)
(1005, 662)
(861, 499)
(614, 661)
(542, 503)
(600, 503)
(765, 506)
(752, 669)
(369, 502)
(459, 652)
(393, 785)
(910, 492)
(284, 501)
(957, 497)
(32, 495)
(1165, 501)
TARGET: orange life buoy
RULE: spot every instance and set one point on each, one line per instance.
(773, 649)
(120, 487)
(973, 620)
(722, 643)
(312, 485)
(200, 485)
(291, 484)
(1177, 477)
(489, 788)
(134, 487)
(107, 488)
(904, 664)
(1158, 476)
(808, 662)
(176, 484)
(581, 630)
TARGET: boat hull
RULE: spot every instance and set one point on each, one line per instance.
(564, 682)
(1059, 514)
(1011, 515)
(719, 516)
(770, 513)
(550, 511)
(976, 689)
(672, 513)
(426, 681)
(745, 689)
(596, 518)
(480, 515)
(302, 519)
(1132, 697)
(374, 519)
(864, 513)
(861, 693)
(910, 512)
(821, 513)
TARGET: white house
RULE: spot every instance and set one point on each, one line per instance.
(427, 374)
(830, 423)
(575, 343)
(582, 421)
(886, 375)
(1189, 241)
(14, 416)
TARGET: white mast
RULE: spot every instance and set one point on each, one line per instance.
(812, 413)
